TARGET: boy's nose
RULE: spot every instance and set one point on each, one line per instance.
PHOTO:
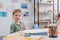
(18, 16)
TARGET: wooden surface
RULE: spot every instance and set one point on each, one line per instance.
(23, 38)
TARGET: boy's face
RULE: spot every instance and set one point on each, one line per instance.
(17, 16)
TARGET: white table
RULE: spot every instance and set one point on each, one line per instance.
(58, 38)
(36, 30)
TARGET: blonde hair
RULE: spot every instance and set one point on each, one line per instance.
(16, 10)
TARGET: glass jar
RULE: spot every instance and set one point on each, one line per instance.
(53, 31)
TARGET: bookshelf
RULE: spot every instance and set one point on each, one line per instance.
(47, 14)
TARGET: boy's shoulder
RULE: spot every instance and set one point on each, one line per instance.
(12, 24)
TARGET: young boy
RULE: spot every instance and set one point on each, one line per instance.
(17, 25)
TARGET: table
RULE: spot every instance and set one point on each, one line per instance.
(15, 36)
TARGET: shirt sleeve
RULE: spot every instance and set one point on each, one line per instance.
(24, 27)
(12, 29)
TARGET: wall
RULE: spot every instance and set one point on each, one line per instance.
(59, 6)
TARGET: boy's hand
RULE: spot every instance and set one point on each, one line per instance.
(24, 26)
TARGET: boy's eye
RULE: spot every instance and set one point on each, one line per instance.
(15, 15)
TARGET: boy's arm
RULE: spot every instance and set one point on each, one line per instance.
(24, 26)
(11, 29)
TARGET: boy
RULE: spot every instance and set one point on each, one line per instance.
(17, 25)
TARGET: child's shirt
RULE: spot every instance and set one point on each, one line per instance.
(16, 27)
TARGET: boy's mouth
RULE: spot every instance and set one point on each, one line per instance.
(17, 19)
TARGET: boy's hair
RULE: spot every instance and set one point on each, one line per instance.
(16, 10)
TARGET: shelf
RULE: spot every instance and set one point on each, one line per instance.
(46, 4)
(58, 12)
(43, 21)
(45, 12)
